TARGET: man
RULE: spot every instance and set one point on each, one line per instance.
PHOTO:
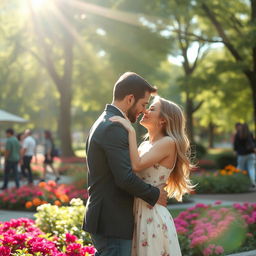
(27, 152)
(112, 185)
(12, 157)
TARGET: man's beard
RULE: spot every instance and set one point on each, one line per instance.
(132, 113)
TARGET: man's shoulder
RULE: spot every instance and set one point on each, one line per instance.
(12, 141)
(105, 128)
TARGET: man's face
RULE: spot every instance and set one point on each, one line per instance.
(138, 108)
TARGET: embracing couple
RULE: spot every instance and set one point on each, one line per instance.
(126, 210)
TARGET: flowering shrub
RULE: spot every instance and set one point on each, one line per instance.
(60, 220)
(207, 231)
(21, 237)
(29, 197)
(227, 180)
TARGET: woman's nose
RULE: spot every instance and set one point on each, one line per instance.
(146, 111)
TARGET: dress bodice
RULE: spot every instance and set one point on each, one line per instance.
(155, 175)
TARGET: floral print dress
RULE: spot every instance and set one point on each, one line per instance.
(154, 232)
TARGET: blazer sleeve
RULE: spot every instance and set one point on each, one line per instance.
(117, 151)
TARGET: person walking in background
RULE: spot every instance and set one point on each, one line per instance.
(238, 126)
(20, 138)
(12, 157)
(245, 149)
(28, 150)
(49, 149)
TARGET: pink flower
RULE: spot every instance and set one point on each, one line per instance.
(74, 249)
(88, 249)
(207, 251)
(5, 251)
(70, 238)
(219, 250)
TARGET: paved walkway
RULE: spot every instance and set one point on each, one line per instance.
(226, 199)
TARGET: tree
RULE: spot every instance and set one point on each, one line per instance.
(235, 26)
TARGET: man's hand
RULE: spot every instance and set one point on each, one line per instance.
(162, 200)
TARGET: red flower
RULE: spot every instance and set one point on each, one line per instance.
(70, 238)
(5, 251)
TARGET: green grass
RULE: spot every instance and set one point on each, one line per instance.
(176, 212)
(213, 153)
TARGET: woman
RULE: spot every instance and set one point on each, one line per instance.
(162, 159)
(48, 160)
(245, 148)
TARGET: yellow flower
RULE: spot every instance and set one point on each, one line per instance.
(223, 172)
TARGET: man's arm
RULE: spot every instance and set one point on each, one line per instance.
(117, 151)
(6, 154)
(7, 150)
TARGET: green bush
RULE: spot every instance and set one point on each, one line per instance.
(61, 220)
(222, 182)
(225, 159)
(198, 151)
(186, 199)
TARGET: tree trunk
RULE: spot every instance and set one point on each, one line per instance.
(65, 90)
(252, 79)
(211, 134)
(65, 124)
(189, 115)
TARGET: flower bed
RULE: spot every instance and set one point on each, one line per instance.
(58, 220)
(207, 231)
(29, 197)
(203, 230)
(22, 237)
(227, 180)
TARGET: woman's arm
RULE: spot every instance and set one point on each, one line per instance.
(158, 152)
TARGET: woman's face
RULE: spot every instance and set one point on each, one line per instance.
(152, 115)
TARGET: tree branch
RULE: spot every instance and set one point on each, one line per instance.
(221, 32)
(197, 56)
(40, 60)
(197, 37)
(198, 106)
(46, 49)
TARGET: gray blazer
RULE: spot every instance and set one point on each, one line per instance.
(112, 185)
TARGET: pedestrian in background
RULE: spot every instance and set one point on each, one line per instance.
(12, 157)
(20, 137)
(49, 149)
(246, 149)
(27, 152)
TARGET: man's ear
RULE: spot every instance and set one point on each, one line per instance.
(130, 99)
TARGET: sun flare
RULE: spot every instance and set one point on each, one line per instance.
(39, 4)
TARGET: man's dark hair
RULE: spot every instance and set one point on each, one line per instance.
(238, 124)
(10, 131)
(132, 83)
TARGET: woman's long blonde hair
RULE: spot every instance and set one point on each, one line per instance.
(178, 182)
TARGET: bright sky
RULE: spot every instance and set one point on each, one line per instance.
(192, 53)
